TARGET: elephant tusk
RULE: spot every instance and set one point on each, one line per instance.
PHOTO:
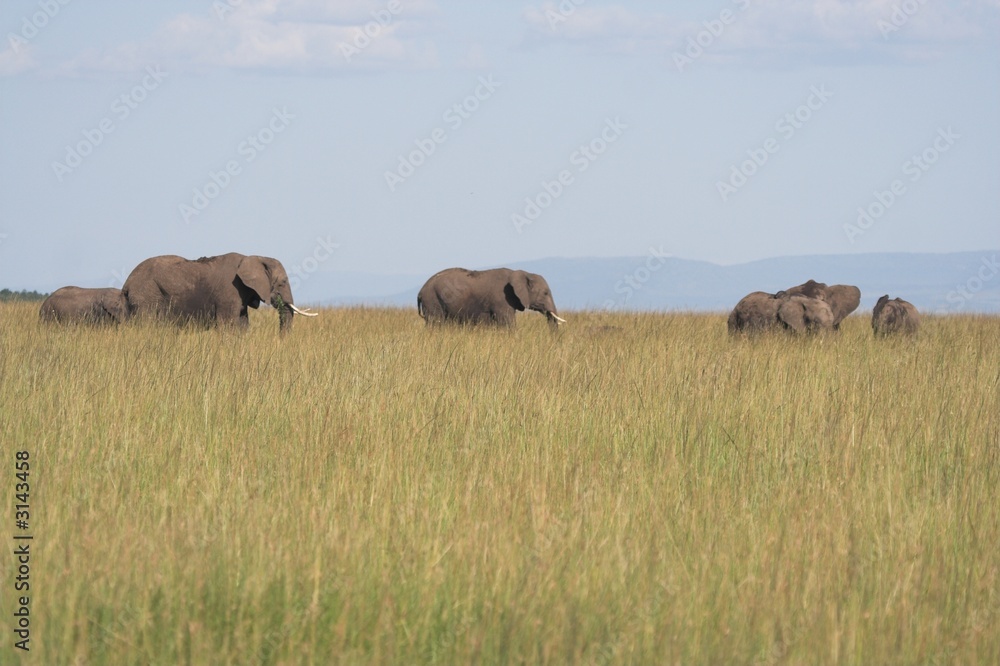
(558, 318)
(304, 313)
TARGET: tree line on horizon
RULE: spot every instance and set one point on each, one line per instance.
(23, 295)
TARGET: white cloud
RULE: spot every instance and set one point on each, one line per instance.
(342, 12)
(298, 35)
(773, 30)
(15, 59)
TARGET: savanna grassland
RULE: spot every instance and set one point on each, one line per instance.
(635, 489)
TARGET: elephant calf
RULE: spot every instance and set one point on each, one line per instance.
(484, 297)
(805, 315)
(894, 317)
(82, 305)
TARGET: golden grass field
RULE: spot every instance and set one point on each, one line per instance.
(636, 489)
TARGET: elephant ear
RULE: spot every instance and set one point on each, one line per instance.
(877, 310)
(253, 275)
(845, 300)
(791, 314)
(518, 284)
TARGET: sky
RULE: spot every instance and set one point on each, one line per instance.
(402, 137)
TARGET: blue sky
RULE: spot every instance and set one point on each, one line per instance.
(397, 137)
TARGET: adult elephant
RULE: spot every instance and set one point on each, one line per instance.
(485, 297)
(843, 299)
(83, 305)
(210, 290)
(896, 316)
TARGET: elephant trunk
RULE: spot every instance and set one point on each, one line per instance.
(285, 315)
(554, 319)
(286, 311)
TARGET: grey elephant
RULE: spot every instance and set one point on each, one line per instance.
(843, 299)
(209, 290)
(490, 297)
(896, 316)
(805, 315)
(83, 305)
(756, 312)
(761, 311)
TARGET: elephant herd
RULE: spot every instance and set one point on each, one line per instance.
(208, 291)
(218, 290)
(814, 307)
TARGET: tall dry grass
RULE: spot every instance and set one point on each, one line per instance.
(637, 489)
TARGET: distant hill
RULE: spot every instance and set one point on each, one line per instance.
(956, 282)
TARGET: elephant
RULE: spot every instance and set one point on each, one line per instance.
(757, 311)
(805, 315)
(894, 316)
(209, 290)
(760, 310)
(843, 299)
(490, 297)
(83, 305)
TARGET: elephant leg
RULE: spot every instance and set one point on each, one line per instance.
(503, 317)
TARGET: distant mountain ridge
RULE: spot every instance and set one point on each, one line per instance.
(960, 282)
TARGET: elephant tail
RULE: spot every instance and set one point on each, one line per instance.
(420, 307)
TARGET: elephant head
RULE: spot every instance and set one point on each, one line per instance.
(805, 315)
(530, 291)
(264, 279)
